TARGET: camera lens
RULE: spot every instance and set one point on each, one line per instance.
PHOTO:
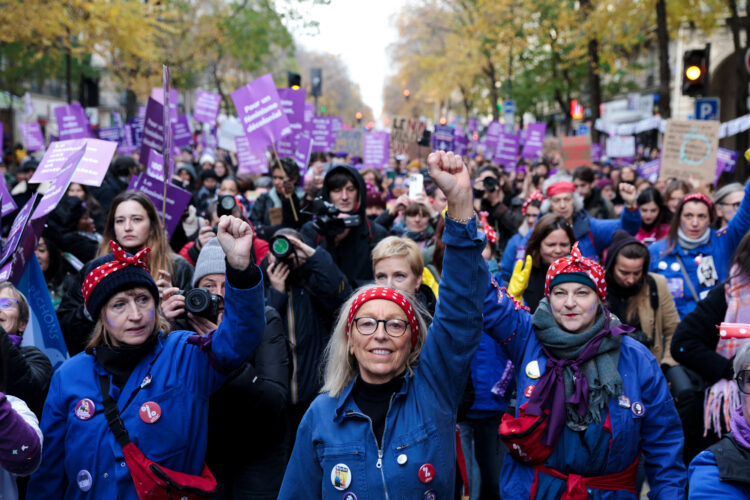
(281, 247)
(490, 183)
(226, 205)
(197, 300)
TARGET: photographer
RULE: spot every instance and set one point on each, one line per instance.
(280, 207)
(305, 283)
(341, 226)
(248, 431)
(490, 197)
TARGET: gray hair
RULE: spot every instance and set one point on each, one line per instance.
(340, 367)
(742, 358)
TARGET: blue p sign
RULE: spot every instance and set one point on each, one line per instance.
(707, 109)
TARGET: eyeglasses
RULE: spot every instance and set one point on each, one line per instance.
(7, 302)
(743, 381)
(735, 206)
(393, 327)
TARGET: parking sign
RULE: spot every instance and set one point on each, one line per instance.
(707, 108)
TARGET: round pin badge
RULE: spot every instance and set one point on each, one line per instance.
(623, 401)
(426, 473)
(529, 390)
(341, 476)
(662, 265)
(150, 412)
(675, 266)
(349, 496)
(430, 495)
(85, 409)
(84, 480)
(638, 409)
(146, 381)
(401, 459)
(532, 369)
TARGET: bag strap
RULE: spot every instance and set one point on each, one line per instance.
(687, 278)
(113, 415)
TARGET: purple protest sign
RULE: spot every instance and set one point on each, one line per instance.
(127, 146)
(16, 229)
(376, 150)
(336, 124)
(155, 165)
(181, 133)
(492, 137)
(472, 125)
(442, 138)
(726, 160)
(206, 107)
(31, 133)
(72, 122)
(59, 185)
(8, 205)
(309, 111)
(157, 93)
(110, 134)
(506, 152)
(261, 114)
(460, 144)
(650, 170)
(302, 152)
(596, 151)
(320, 131)
(293, 103)
(532, 149)
(249, 161)
(153, 129)
(176, 202)
(91, 169)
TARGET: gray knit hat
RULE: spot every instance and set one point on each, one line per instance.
(726, 191)
(211, 260)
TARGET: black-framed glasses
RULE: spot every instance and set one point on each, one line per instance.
(393, 327)
(743, 381)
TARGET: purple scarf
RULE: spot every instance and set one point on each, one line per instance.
(740, 428)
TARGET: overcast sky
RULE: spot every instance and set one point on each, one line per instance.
(360, 32)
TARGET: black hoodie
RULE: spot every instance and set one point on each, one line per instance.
(352, 254)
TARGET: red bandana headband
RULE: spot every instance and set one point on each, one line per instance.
(576, 263)
(121, 261)
(560, 187)
(394, 296)
(536, 195)
(698, 197)
(487, 229)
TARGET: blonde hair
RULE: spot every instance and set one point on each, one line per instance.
(396, 246)
(340, 367)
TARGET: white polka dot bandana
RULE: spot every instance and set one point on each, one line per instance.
(122, 260)
(385, 293)
(576, 263)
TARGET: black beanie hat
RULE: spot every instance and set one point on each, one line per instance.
(127, 278)
(620, 240)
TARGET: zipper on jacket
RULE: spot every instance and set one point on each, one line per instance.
(294, 387)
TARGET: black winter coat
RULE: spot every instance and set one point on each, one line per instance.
(28, 372)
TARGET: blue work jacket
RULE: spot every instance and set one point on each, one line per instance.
(420, 426)
(82, 454)
(720, 247)
(656, 431)
(705, 483)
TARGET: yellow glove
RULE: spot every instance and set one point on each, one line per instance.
(520, 279)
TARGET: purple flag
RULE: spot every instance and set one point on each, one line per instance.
(320, 132)
(8, 205)
(532, 149)
(16, 229)
(650, 170)
(376, 147)
(181, 133)
(442, 138)
(32, 136)
(91, 169)
(72, 122)
(157, 93)
(59, 185)
(293, 103)
(248, 161)
(302, 152)
(460, 144)
(177, 200)
(206, 107)
(506, 152)
(260, 112)
(153, 130)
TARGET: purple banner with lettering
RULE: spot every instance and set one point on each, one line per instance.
(72, 122)
(157, 93)
(59, 185)
(650, 170)
(8, 205)
(31, 134)
(309, 111)
(260, 112)
(17, 228)
(320, 133)
(248, 161)
(110, 134)
(596, 151)
(302, 152)
(532, 149)
(127, 146)
(153, 129)
(442, 138)
(155, 165)
(91, 169)
(177, 200)
(293, 103)
(506, 152)
(206, 107)
(460, 144)
(376, 148)
(472, 125)
(492, 137)
(181, 133)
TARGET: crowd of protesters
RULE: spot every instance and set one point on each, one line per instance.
(328, 331)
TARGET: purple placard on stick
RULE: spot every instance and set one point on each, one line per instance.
(376, 147)
(110, 134)
(442, 138)
(532, 149)
(726, 160)
(320, 132)
(337, 123)
(17, 229)
(460, 145)
(177, 200)
(59, 185)
(596, 151)
(8, 205)
(91, 169)
(158, 94)
(302, 152)
(127, 146)
(155, 165)
(31, 133)
(506, 152)
(261, 114)
(309, 111)
(181, 133)
(293, 103)
(491, 137)
(650, 170)
(72, 122)
(248, 161)
(153, 129)
(206, 107)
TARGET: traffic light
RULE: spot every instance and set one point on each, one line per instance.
(358, 116)
(695, 72)
(576, 110)
(294, 80)
(322, 109)
(407, 94)
(316, 82)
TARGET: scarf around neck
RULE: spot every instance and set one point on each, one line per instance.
(581, 373)
(689, 243)
(740, 427)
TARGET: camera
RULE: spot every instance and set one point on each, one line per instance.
(282, 249)
(203, 303)
(327, 221)
(225, 204)
(490, 184)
